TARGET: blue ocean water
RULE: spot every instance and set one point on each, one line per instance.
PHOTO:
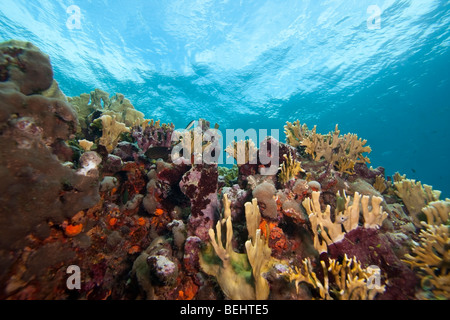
(378, 68)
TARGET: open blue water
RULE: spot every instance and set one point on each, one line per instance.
(378, 68)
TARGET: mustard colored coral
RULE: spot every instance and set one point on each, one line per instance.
(111, 130)
(373, 214)
(85, 144)
(289, 169)
(343, 151)
(348, 281)
(295, 133)
(321, 220)
(415, 196)
(347, 216)
(437, 212)
(239, 275)
(258, 250)
(431, 256)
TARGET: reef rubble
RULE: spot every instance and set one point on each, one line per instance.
(87, 181)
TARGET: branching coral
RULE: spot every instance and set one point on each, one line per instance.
(258, 250)
(373, 216)
(350, 280)
(98, 103)
(321, 223)
(342, 151)
(196, 146)
(85, 144)
(233, 271)
(289, 169)
(437, 212)
(111, 130)
(345, 165)
(238, 274)
(346, 217)
(348, 214)
(152, 134)
(432, 254)
(380, 184)
(320, 146)
(432, 257)
(415, 196)
(354, 148)
(295, 133)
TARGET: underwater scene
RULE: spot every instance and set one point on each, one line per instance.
(224, 150)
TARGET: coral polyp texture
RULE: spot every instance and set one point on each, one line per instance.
(87, 181)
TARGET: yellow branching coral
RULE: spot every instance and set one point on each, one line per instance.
(350, 280)
(346, 165)
(157, 124)
(346, 217)
(373, 214)
(380, 184)
(321, 223)
(322, 146)
(432, 257)
(307, 275)
(243, 151)
(354, 148)
(117, 106)
(295, 133)
(289, 169)
(258, 250)
(397, 177)
(111, 130)
(415, 196)
(238, 274)
(343, 151)
(437, 212)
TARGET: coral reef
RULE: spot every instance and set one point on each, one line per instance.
(145, 212)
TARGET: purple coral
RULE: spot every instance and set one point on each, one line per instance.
(153, 135)
(237, 197)
(192, 247)
(126, 151)
(200, 185)
(371, 247)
